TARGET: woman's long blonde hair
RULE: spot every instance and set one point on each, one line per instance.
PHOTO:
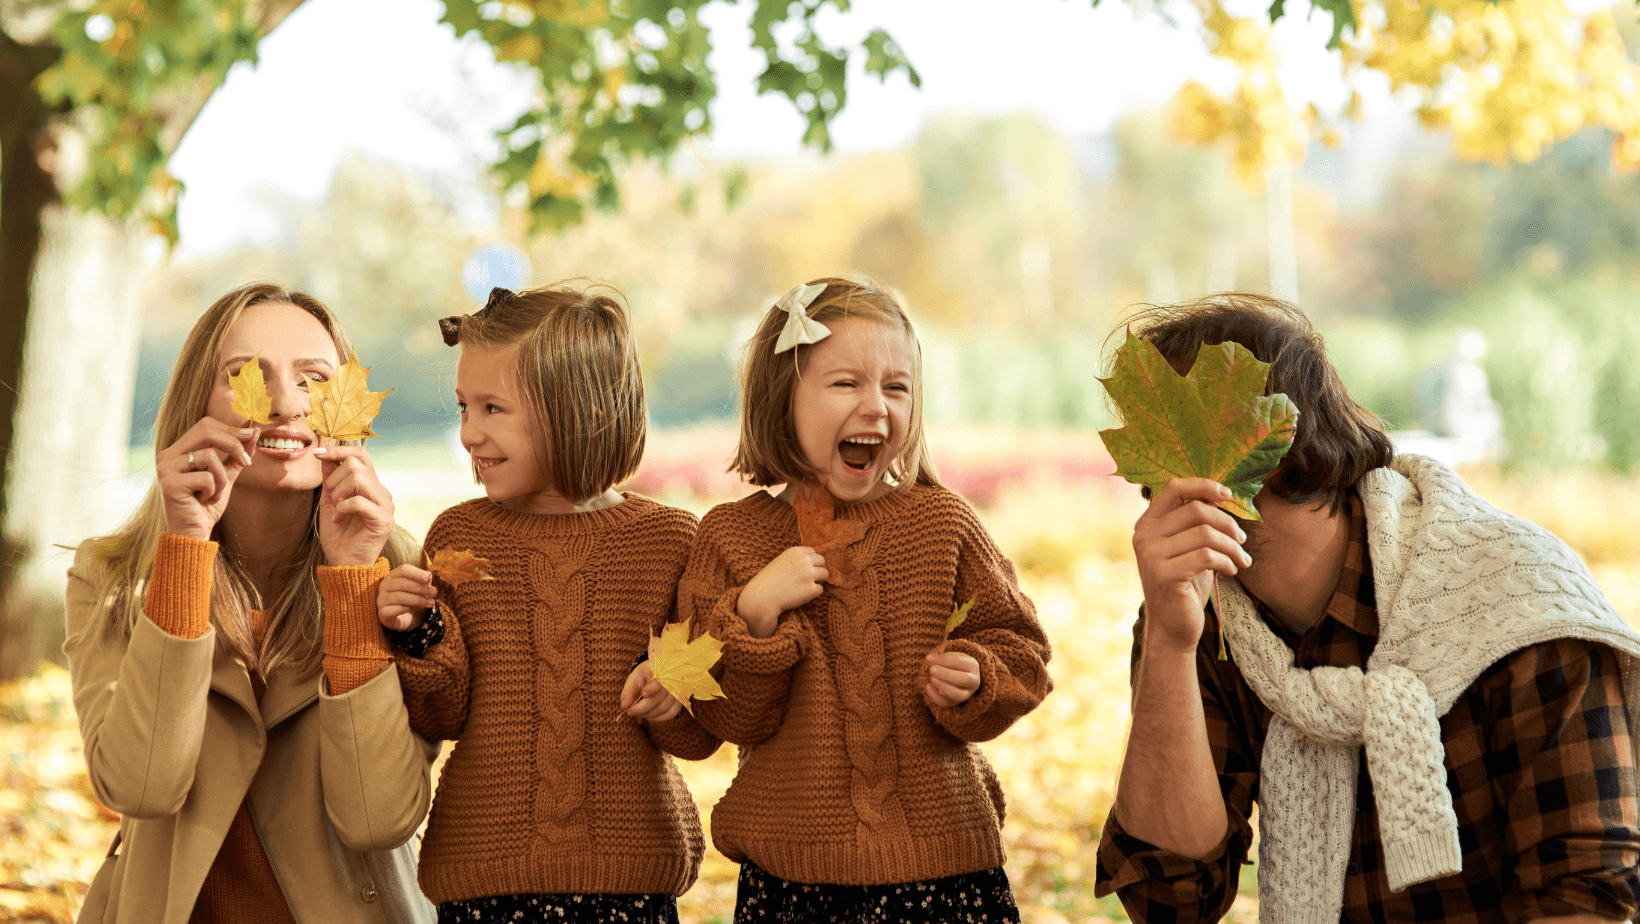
(119, 563)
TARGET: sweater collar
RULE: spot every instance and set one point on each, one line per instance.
(631, 508)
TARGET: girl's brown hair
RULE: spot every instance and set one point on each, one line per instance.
(578, 368)
(1338, 440)
(120, 562)
(769, 452)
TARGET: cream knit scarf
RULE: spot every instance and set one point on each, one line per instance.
(1460, 585)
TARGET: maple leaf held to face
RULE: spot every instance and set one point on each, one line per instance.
(819, 529)
(456, 567)
(1214, 422)
(343, 407)
(250, 393)
(680, 666)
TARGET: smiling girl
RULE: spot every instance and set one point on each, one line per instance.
(228, 712)
(859, 795)
(549, 809)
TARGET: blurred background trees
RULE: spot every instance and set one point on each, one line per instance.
(1016, 244)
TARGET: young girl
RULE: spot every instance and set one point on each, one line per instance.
(550, 809)
(859, 796)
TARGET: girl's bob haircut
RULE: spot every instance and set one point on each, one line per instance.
(769, 452)
(578, 368)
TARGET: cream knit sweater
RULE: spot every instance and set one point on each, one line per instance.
(1460, 585)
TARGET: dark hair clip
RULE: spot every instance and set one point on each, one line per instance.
(450, 328)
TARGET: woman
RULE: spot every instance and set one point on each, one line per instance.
(238, 705)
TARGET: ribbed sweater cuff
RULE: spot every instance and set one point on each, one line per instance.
(744, 654)
(965, 718)
(1421, 857)
(179, 587)
(355, 649)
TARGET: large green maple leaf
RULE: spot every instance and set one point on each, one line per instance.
(1213, 422)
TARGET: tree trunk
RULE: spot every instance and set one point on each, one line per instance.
(25, 189)
(73, 421)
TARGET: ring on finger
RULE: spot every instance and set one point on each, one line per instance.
(191, 466)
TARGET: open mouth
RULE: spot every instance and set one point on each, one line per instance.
(858, 452)
(481, 465)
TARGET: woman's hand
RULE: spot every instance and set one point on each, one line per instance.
(355, 511)
(953, 678)
(404, 597)
(791, 580)
(197, 472)
(1180, 541)
(644, 698)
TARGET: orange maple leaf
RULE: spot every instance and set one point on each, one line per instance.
(819, 528)
(344, 406)
(456, 567)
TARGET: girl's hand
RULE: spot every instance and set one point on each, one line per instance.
(791, 580)
(1180, 541)
(643, 698)
(197, 472)
(404, 597)
(953, 678)
(355, 511)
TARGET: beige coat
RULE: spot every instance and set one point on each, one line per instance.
(174, 741)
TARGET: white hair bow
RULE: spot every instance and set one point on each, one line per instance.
(800, 328)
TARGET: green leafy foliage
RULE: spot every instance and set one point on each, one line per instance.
(620, 80)
(150, 60)
(1214, 422)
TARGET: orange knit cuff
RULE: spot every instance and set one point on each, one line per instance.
(179, 587)
(355, 649)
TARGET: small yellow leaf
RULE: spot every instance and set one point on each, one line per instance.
(343, 407)
(959, 615)
(250, 393)
(456, 567)
(681, 665)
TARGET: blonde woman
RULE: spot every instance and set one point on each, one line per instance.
(257, 751)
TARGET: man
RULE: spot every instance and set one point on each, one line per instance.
(1424, 695)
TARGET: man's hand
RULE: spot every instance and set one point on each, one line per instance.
(1180, 541)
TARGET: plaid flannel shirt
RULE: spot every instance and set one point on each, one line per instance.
(1539, 763)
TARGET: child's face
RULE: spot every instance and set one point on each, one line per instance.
(852, 404)
(495, 425)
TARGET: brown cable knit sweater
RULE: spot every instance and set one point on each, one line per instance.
(848, 775)
(546, 791)
(240, 886)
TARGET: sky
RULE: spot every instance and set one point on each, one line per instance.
(384, 77)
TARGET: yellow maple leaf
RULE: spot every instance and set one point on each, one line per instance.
(456, 567)
(250, 393)
(681, 665)
(959, 615)
(344, 406)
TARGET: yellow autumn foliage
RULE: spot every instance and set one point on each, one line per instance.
(1508, 79)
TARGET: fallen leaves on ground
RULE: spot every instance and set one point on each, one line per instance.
(680, 666)
(458, 566)
(343, 407)
(819, 529)
(1214, 422)
(53, 834)
(250, 392)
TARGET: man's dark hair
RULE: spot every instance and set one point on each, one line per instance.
(1338, 440)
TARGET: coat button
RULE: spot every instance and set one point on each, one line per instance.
(368, 893)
